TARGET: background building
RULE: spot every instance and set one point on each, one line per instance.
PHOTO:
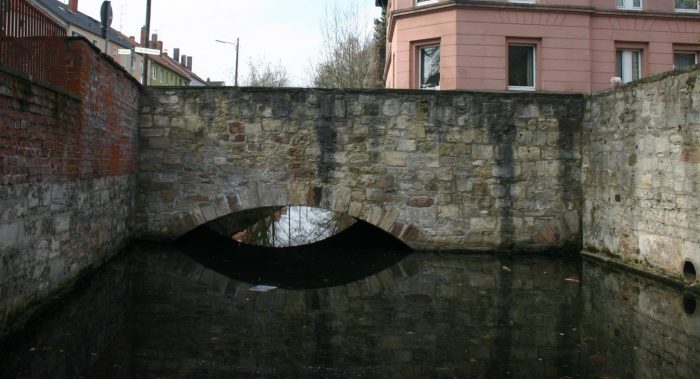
(543, 45)
(78, 24)
(163, 70)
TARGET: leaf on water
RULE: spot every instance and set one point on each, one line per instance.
(262, 288)
(572, 280)
(506, 269)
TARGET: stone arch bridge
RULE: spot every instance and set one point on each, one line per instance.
(447, 170)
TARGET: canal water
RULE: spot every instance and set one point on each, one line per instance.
(178, 311)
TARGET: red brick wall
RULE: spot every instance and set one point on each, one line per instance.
(46, 134)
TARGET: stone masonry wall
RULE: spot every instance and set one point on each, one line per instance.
(448, 170)
(67, 159)
(641, 156)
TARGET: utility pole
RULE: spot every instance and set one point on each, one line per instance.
(148, 32)
(236, 78)
(237, 45)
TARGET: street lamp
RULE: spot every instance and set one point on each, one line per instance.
(235, 44)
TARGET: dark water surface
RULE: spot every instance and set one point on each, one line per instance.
(156, 312)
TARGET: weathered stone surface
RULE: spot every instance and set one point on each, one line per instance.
(640, 174)
(446, 170)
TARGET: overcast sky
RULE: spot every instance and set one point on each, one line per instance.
(285, 31)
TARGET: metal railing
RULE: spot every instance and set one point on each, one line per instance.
(21, 19)
(31, 42)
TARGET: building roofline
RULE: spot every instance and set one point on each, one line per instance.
(59, 11)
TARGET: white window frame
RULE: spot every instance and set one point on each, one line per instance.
(695, 53)
(534, 69)
(420, 3)
(626, 70)
(684, 10)
(155, 73)
(420, 65)
(629, 5)
(523, 1)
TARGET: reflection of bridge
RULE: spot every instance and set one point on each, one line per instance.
(450, 170)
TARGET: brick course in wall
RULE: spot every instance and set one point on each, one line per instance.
(67, 164)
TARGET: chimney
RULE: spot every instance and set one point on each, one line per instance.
(159, 45)
(183, 60)
(73, 5)
(143, 36)
(176, 54)
(154, 41)
(189, 63)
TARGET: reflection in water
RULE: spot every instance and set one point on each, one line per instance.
(429, 315)
(285, 226)
(636, 328)
(339, 259)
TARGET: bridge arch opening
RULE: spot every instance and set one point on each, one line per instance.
(293, 247)
(291, 226)
(296, 226)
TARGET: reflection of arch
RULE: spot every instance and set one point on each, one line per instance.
(357, 252)
(335, 199)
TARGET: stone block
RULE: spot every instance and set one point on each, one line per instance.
(391, 107)
(159, 143)
(394, 158)
(253, 128)
(62, 223)
(448, 211)
(271, 125)
(161, 121)
(406, 145)
(172, 158)
(10, 234)
(484, 152)
(151, 132)
(420, 202)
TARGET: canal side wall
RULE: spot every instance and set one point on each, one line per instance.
(68, 175)
(439, 170)
(641, 160)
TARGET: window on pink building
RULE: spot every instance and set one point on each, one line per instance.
(688, 6)
(429, 67)
(629, 4)
(425, 2)
(683, 59)
(629, 64)
(521, 67)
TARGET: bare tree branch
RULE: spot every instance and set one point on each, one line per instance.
(263, 74)
(348, 59)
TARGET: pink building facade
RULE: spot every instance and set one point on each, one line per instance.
(536, 45)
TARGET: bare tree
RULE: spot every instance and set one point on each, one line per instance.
(379, 46)
(262, 73)
(348, 59)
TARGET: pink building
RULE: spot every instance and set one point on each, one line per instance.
(542, 45)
